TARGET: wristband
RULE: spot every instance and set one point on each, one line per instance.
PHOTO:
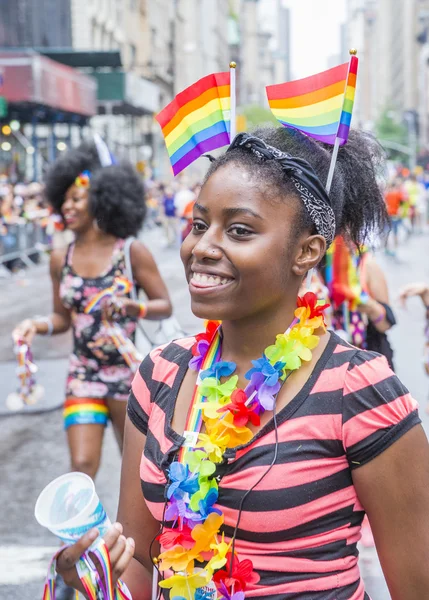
(380, 317)
(143, 310)
(49, 324)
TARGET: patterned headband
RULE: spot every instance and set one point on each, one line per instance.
(308, 185)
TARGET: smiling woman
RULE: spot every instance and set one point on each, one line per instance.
(262, 442)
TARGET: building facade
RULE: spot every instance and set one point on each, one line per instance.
(392, 63)
(35, 23)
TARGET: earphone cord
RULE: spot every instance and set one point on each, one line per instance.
(264, 474)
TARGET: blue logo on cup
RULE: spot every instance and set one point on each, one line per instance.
(98, 519)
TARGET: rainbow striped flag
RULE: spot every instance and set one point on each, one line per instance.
(321, 105)
(197, 120)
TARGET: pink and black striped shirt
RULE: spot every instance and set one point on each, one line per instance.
(301, 525)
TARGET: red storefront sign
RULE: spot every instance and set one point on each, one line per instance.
(31, 77)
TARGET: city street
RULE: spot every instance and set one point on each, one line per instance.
(33, 449)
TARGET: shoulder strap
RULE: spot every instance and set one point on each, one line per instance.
(69, 254)
(128, 265)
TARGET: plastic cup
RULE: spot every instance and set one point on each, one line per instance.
(69, 507)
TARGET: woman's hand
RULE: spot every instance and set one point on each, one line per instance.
(120, 306)
(415, 289)
(121, 551)
(25, 331)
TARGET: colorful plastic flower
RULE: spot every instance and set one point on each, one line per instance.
(271, 372)
(202, 344)
(220, 549)
(177, 558)
(184, 585)
(198, 462)
(305, 342)
(178, 510)
(182, 481)
(285, 350)
(265, 394)
(309, 311)
(204, 534)
(213, 390)
(226, 595)
(237, 577)
(83, 180)
(226, 427)
(202, 501)
(213, 444)
(210, 408)
(199, 350)
(174, 537)
(219, 369)
(242, 412)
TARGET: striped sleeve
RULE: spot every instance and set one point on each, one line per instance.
(139, 401)
(377, 408)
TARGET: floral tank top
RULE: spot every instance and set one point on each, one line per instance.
(90, 339)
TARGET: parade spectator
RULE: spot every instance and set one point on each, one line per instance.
(102, 207)
(395, 198)
(170, 219)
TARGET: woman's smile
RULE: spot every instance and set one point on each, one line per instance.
(203, 282)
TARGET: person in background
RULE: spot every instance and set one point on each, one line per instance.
(416, 199)
(170, 219)
(420, 290)
(102, 206)
(395, 198)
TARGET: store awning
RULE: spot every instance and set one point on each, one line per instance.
(123, 93)
(31, 80)
(82, 59)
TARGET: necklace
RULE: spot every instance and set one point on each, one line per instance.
(192, 490)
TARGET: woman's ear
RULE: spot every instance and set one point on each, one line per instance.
(310, 252)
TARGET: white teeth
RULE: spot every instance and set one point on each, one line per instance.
(208, 280)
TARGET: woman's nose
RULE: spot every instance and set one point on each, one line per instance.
(207, 248)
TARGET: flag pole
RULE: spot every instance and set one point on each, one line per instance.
(233, 102)
(352, 53)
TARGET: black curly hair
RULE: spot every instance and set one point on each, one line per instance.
(116, 194)
(356, 196)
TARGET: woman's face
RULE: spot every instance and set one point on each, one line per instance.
(240, 257)
(75, 209)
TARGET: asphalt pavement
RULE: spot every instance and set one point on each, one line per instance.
(33, 448)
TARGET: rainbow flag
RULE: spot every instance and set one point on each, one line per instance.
(197, 120)
(321, 105)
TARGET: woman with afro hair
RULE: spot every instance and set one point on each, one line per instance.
(102, 206)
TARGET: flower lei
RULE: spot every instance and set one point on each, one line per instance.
(192, 490)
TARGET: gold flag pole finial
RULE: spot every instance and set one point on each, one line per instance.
(352, 51)
(232, 65)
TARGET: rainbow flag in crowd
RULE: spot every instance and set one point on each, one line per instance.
(321, 105)
(197, 120)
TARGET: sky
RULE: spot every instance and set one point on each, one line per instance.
(315, 32)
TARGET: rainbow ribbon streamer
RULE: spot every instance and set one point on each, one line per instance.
(25, 371)
(121, 286)
(124, 345)
(194, 419)
(89, 576)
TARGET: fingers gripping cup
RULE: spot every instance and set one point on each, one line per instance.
(69, 507)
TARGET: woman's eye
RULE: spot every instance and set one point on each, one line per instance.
(197, 226)
(240, 231)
